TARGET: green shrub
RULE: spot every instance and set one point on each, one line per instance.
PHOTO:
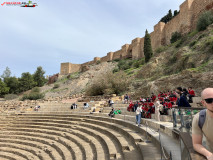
(35, 90)
(193, 33)
(175, 36)
(115, 70)
(136, 64)
(204, 20)
(124, 65)
(173, 59)
(192, 43)
(98, 62)
(211, 47)
(109, 83)
(116, 60)
(33, 96)
(179, 43)
(201, 36)
(56, 86)
(10, 96)
(161, 49)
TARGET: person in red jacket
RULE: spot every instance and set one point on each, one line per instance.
(191, 94)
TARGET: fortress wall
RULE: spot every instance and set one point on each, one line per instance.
(110, 56)
(75, 68)
(105, 59)
(184, 22)
(88, 63)
(141, 55)
(197, 7)
(157, 35)
(96, 59)
(67, 68)
(117, 54)
(136, 48)
(125, 49)
(169, 28)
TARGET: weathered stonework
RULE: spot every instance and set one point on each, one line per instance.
(184, 22)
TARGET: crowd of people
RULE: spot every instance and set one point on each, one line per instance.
(162, 102)
(181, 97)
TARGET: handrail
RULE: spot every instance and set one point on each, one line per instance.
(191, 108)
(188, 147)
(184, 123)
(163, 154)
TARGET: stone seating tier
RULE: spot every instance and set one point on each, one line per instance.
(65, 136)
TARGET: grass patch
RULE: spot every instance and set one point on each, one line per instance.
(161, 49)
(193, 33)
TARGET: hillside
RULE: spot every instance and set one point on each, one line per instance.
(187, 62)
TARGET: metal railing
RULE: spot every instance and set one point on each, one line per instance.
(184, 117)
(162, 149)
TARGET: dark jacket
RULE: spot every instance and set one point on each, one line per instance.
(182, 102)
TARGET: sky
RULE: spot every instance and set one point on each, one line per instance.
(72, 31)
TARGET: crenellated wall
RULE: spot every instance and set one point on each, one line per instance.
(184, 22)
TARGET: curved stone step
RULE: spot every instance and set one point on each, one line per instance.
(44, 129)
(38, 148)
(109, 148)
(10, 156)
(50, 150)
(137, 141)
(30, 133)
(43, 120)
(22, 149)
(18, 152)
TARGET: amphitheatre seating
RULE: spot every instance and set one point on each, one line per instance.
(68, 136)
(63, 134)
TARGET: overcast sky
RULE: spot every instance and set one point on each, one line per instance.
(72, 31)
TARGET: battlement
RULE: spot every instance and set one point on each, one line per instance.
(184, 22)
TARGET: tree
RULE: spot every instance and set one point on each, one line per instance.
(26, 82)
(6, 73)
(13, 84)
(170, 16)
(175, 13)
(39, 77)
(3, 88)
(147, 47)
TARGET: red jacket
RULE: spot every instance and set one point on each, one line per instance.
(192, 92)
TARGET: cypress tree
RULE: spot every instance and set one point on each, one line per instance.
(175, 13)
(147, 47)
(170, 15)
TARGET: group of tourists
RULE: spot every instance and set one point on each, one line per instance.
(181, 97)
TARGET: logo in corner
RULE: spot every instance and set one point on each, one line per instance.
(29, 4)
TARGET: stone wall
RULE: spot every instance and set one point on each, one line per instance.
(67, 68)
(184, 22)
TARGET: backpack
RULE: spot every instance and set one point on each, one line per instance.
(202, 118)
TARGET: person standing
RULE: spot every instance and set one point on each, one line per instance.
(138, 115)
(157, 109)
(203, 125)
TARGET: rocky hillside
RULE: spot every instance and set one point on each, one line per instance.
(76, 83)
(187, 62)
